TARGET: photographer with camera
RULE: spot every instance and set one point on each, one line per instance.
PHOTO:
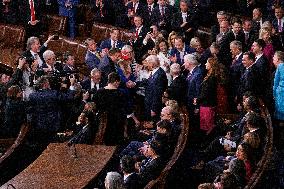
(45, 110)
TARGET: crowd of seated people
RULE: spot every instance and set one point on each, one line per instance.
(142, 83)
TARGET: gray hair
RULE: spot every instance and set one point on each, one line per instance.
(191, 58)
(127, 48)
(31, 41)
(175, 68)
(94, 71)
(47, 54)
(280, 55)
(154, 59)
(238, 44)
(114, 180)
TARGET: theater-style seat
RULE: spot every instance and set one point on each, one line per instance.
(81, 53)
(56, 46)
(13, 36)
(56, 23)
(99, 32)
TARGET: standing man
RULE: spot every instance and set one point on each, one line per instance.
(68, 8)
(113, 41)
(30, 11)
(92, 58)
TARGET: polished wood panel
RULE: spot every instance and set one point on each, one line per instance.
(57, 167)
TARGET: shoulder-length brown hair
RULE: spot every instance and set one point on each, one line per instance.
(13, 92)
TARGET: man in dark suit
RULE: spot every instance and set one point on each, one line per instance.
(92, 58)
(250, 79)
(278, 23)
(68, 8)
(235, 34)
(257, 20)
(177, 89)
(151, 4)
(184, 21)
(194, 80)
(44, 110)
(103, 11)
(162, 15)
(113, 41)
(179, 51)
(264, 69)
(224, 28)
(137, 8)
(8, 10)
(236, 70)
(250, 35)
(154, 88)
(127, 165)
(30, 11)
(215, 29)
(149, 42)
(139, 33)
(109, 64)
(93, 84)
(69, 63)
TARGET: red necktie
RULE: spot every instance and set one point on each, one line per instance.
(134, 6)
(136, 33)
(32, 10)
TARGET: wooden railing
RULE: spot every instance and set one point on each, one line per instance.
(161, 181)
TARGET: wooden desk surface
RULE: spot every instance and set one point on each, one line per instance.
(57, 168)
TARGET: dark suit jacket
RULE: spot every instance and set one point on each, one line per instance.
(177, 21)
(236, 70)
(250, 81)
(29, 55)
(154, 89)
(157, 18)
(45, 109)
(91, 60)
(132, 182)
(107, 12)
(107, 44)
(252, 37)
(225, 53)
(174, 51)
(264, 73)
(141, 10)
(138, 43)
(193, 85)
(208, 92)
(86, 84)
(177, 90)
(215, 30)
(25, 11)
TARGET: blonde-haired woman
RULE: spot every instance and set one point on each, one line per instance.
(171, 39)
(265, 33)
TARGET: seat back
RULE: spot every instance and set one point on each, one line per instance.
(56, 23)
(99, 32)
(14, 36)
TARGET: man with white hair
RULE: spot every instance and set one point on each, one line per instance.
(155, 85)
(177, 89)
(94, 83)
(194, 80)
(50, 60)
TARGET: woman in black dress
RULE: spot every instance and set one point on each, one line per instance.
(208, 96)
(112, 101)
